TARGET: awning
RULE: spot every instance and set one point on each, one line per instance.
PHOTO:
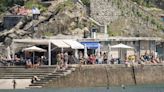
(74, 44)
(91, 45)
(60, 44)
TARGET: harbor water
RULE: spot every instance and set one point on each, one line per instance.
(140, 88)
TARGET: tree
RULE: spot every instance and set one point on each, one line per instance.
(86, 2)
(5, 4)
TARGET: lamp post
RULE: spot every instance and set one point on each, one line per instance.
(93, 33)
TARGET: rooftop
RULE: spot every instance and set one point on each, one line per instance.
(125, 39)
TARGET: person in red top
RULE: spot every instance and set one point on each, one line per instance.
(92, 59)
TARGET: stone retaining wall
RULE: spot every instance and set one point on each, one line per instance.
(104, 11)
(107, 75)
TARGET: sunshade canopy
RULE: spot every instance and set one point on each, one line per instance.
(60, 44)
(74, 44)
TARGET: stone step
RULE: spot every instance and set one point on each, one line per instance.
(59, 71)
(27, 72)
(24, 73)
(19, 77)
(10, 67)
(36, 85)
(56, 74)
(40, 82)
(32, 87)
(1, 70)
(73, 69)
(51, 77)
(27, 68)
(55, 78)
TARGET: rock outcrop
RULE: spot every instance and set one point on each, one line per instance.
(62, 17)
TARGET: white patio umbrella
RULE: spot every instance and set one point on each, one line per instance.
(120, 47)
(34, 49)
(76, 53)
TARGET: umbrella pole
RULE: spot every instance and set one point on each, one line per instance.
(62, 49)
(120, 53)
(24, 55)
(33, 57)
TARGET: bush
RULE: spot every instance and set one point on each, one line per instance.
(147, 3)
(5, 4)
(34, 3)
(86, 2)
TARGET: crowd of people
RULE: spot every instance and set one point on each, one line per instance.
(10, 61)
(28, 62)
(93, 59)
(102, 58)
(62, 59)
(150, 58)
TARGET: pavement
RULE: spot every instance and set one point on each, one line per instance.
(20, 83)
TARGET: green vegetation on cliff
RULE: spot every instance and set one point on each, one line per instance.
(86, 2)
(150, 3)
(34, 3)
(5, 4)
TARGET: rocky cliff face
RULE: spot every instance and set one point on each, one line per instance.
(62, 17)
(123, 17)
(126, 18)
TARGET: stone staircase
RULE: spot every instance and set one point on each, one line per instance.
(44, 73)
(51, 77)
(20, 72)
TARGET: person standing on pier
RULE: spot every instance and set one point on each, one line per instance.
(65, 60)
(14, 84)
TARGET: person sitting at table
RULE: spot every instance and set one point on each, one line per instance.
(16, 60)
(146, 56)
(28, 63)
(37, 64)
